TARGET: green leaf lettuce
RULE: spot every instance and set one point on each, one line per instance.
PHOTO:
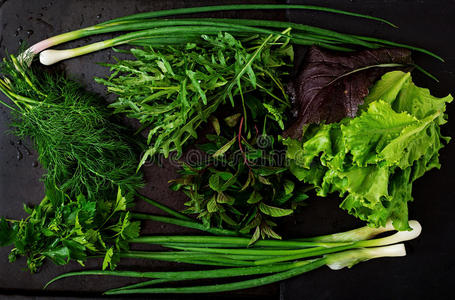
(373, 159)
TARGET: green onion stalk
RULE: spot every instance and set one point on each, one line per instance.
(118, 23)
(145, 29)
(267, 261)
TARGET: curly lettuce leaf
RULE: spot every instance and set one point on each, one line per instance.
(331, 86)
(373, 159)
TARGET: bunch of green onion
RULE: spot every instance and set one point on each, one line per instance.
(267, 261)
(150, 29)
(264, 261)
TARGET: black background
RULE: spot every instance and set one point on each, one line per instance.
(427, 269)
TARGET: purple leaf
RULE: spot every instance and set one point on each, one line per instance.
(331, 85)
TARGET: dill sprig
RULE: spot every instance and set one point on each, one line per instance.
(82, 150)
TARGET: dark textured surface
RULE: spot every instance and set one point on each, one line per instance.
(427, 268)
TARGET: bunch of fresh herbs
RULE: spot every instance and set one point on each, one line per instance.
(172, 90)
(80, 148)
(241, 183)
(62, 228)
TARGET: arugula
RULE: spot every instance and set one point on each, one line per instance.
(374, 158)
(172, 90)
(61, 229)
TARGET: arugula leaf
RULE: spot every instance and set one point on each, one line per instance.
(173, 90)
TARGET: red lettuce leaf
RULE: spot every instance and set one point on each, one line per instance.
(331, 85)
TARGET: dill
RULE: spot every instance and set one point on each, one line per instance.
(82, 150)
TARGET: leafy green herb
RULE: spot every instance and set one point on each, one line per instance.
(242, 184)
(374, 158)
(61, 229)
(82, 150)
(172, 90)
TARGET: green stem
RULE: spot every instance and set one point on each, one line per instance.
(186, 275)
(165, 208)
(301, 28)
(183, 223)
(259, 252)
(385, 42)
(187, 257)
(229, 286)
(231, 240)
(235, 7)
(197, 245)
(358, 234)
(314, 252)
(142, 284)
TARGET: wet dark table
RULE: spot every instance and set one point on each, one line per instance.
(426, 270)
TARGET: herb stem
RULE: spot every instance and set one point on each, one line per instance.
(165, 208)
(230, 286)
(203, 9)
(186, 275)
(183, 223)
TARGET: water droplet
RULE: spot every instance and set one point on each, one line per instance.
(35, 164)
(295, 113)
(19, 142)
(11, 142)
(20, 42)
(29, 32)
(19, 154)
(98, 16)
(19, 28)
(29, 153)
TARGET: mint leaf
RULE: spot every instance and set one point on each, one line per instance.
(274, 211)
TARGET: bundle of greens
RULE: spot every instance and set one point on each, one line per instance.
(204, 85)
(242, 184)
(374, 158)
(81, 149)
(61, 229)
(148, 29)
(264, 262)
(172, 90)
(86, 158)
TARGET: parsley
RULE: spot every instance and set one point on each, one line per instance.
(61, 229)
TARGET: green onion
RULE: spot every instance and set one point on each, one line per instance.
(334, 261)
(262, 258)
(120, 24)
(203, 9)
(139, 23)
